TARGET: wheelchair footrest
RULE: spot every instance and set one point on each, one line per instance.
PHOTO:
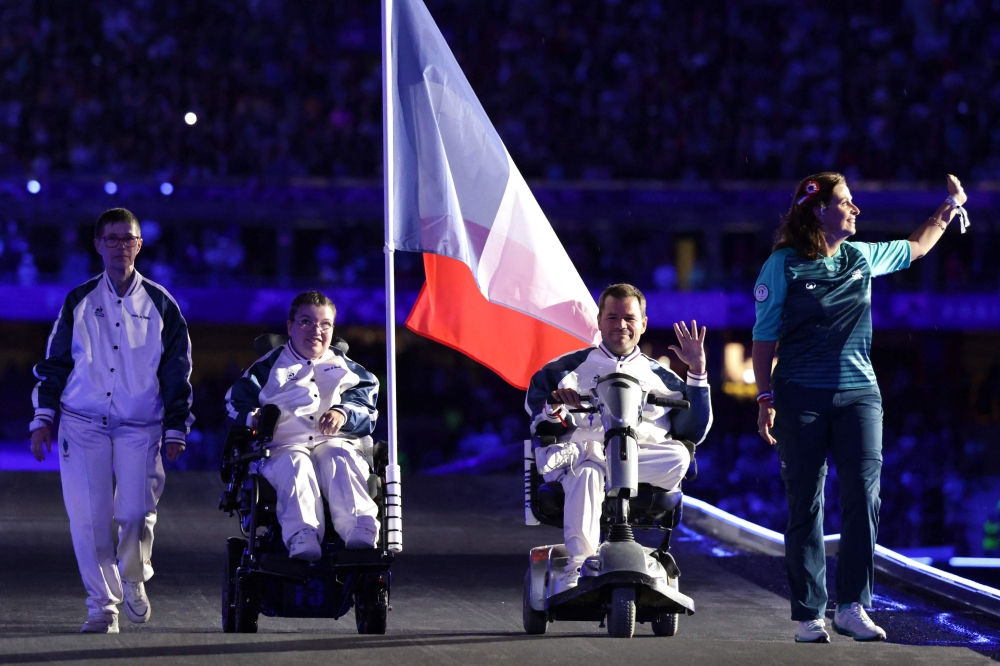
(279, 564)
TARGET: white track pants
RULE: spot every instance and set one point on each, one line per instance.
(663, 464)
(300, 473)
(90, 455)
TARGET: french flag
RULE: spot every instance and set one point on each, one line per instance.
(500, 287)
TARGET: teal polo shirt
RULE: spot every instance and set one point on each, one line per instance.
(820, 311)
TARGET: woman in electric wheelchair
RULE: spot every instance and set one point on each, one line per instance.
(302, 417)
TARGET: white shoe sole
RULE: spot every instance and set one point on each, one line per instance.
(863, 639)
(135, 617)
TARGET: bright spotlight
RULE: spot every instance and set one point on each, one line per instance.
(34, 186)
(166, 189)
(190, 118)
(748, 377)
(110, 187)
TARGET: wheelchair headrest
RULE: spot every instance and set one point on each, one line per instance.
(267, 341)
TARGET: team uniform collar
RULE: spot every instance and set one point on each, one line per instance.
(299, 357)
(621, 359)
(132, 288)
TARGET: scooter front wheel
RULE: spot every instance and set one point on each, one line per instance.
(621, 616)
(534, 621)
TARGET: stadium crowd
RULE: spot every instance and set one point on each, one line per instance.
(890, 90)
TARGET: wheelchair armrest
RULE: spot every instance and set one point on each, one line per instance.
(237, 441)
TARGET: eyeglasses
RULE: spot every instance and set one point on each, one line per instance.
(127, 241)
(307, 324)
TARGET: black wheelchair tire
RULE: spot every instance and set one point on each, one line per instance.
(371, 606)
(247, 605)
(234, 553)
(665, 624)
(621, 615)
(534, 621)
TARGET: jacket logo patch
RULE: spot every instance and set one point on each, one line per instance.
(290, 377)
(810, 285)
(65, 449)
(761, 293)
(856, 275)
(98, 312)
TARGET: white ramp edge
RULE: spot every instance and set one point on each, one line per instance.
(714, 522)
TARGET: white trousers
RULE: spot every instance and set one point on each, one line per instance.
(300, 473)
(662, 464)
(110, 473)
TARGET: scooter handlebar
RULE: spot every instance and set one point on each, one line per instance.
(668, 402)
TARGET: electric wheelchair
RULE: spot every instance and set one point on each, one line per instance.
(259, 577)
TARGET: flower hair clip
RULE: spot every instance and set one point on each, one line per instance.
(812, 187)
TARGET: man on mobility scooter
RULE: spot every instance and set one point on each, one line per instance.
(569, 439)
(302, 416)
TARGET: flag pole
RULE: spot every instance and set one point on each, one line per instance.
(393, 516)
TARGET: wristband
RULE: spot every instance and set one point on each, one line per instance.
(963, 215)
(555, 414)
(765, 396)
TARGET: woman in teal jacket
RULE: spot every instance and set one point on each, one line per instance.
(814, 298)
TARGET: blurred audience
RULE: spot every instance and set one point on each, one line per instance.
(889, 90)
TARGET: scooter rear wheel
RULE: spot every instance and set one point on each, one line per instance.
(665, 624)
(534, 621)
(621, 617)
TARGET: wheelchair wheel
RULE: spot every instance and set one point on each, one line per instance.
(534, 621)
(371, 606)
(621, 616)
(247, 605)
(234, 553)
(665, 624)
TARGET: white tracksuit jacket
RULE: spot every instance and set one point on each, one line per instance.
(125, 358)
(579, 370)
(304, 389)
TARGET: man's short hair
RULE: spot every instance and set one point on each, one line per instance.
(310, 298)
(112, 216)
(622, 291)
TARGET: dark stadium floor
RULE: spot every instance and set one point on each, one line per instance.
(456, 595)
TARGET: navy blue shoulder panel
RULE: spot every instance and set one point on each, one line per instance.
(54, 371)
(360, 399)
(546, 380)
(175, 362)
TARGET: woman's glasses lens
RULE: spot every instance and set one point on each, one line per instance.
(307, 324)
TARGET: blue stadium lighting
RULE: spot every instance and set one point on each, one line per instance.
(110, 187)
(190, 118)
(978, 562)
(34, 186)
(166, 189)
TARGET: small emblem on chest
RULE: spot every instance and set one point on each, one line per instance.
(856, 275)
(99, 312)
(810, 285)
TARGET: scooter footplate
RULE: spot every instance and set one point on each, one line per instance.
(587, 594)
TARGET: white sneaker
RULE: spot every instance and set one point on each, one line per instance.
(136, 603)
(550, 458)
(853, 621)
(812, 631)
(360, 538)
(566, 580)
(304, 545)
(100, 623)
